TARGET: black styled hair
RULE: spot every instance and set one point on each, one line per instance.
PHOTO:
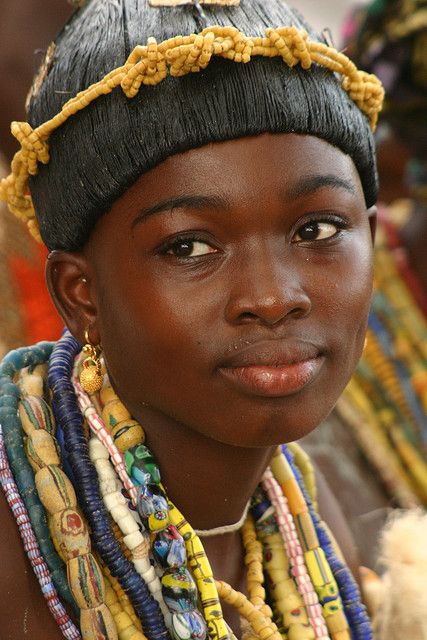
(98, 153)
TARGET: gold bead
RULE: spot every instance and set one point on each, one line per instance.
(91, 378)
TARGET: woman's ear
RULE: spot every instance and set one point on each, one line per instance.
(69, 281)
(372, 215)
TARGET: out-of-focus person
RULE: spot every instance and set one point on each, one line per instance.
(386, 402)
(26, 312)
(380, 423)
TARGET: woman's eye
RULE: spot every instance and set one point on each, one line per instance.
(189, 249)
(316, 231)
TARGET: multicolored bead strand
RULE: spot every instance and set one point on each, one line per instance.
(67, 412)
(354, 609)
(288, 605)
(100, 449)
(39, 566)
(66, 525)
(136, 540)
(178, 588)
(317, 565)
(22, 471)
(295, 554)
(202, 571)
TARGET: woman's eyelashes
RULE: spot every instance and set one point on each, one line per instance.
(188, 247)
(318, 230)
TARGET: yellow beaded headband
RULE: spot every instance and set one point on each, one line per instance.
(150, 64)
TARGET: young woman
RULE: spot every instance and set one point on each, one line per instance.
(209, 210)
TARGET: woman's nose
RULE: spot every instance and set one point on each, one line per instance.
(267, 291)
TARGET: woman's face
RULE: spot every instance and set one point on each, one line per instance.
(232, 286)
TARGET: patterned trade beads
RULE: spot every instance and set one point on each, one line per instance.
(151, 573)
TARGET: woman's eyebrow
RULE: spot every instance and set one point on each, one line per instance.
(181, 202)
(310, 184)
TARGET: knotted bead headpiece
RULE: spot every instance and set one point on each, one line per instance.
(178, 56)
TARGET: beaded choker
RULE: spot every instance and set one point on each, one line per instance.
(87, 470)
(178, 56)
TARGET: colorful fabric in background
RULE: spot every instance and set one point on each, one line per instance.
(27, 313)
(374, 443)
(385, 402)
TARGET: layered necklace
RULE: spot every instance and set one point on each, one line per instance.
(103, 537)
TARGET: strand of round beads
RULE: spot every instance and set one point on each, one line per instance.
(68, 414)
(39, 566)
(23, 474)
(127, 624)
(58, 498)
(295, 555)
(263, 628)
(254, 576)
(121, 596)
(354, 609)
(254, 572)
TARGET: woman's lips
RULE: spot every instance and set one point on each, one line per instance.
(274, 382)
(274, 369)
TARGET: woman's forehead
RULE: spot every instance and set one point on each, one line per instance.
(291, 164)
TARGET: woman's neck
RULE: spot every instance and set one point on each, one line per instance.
(210, 482)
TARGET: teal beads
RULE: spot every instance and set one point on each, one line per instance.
(140, 463)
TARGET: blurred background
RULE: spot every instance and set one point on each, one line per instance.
(322, 14)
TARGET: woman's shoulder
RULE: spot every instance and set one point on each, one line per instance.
(23, 609)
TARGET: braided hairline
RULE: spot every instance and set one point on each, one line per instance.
(182, 54)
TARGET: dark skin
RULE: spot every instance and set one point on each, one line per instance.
(265, 257)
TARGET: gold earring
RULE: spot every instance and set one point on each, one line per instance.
(90, 374)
